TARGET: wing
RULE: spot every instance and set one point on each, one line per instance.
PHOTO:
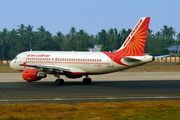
(47, 68)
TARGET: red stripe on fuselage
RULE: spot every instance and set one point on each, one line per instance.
(63, 62)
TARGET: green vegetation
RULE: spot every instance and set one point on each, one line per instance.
(178, 63)
(24, 38)
(144, 110)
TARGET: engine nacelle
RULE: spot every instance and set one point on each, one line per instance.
(32, 75)
(73, 76)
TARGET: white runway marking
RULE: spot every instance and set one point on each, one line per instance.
(103, 98)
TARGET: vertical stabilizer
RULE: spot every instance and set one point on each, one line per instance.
(135, 42)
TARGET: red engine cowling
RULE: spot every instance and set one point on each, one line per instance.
(32, 75)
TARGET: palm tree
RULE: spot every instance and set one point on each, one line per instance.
(123, 35)
(21, 33)
(158, 34)
(21, 30)
(86, 37)
(149, 35)
(165, 31)
(29, 35)
(111, 38)
(178, 36)
(59, 39)
(72, 32)
(41, 31)
(172, 32)
(3, 38)
(115, 32)
(102, 37)
(78, 44)
(12, 38)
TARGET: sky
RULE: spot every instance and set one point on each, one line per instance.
(88, 15)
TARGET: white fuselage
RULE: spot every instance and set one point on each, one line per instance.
(77, 62)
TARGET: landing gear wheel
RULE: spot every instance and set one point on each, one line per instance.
(87, 80)
(59, 82)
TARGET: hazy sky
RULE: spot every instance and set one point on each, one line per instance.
(89, 15)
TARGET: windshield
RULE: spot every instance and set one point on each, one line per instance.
(15, 58)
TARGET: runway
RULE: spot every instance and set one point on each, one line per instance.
(119, 86)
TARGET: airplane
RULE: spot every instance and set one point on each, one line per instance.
(37, 64)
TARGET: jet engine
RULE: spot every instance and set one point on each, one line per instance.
(32, 75)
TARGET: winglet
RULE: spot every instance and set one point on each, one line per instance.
(24, 64)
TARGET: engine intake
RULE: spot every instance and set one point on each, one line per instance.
(32, 75)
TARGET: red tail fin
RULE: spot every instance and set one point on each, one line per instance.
(135, 42)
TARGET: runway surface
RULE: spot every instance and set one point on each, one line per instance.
(119, 86)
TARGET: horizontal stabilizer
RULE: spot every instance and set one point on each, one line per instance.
(131, 59)
(161, 56)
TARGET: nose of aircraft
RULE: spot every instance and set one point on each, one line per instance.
(11, 64)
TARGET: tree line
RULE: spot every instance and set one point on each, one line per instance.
(25, 39)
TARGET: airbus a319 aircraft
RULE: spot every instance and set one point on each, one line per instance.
(37, 64)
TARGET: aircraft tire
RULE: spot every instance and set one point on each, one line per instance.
(87, 80)
(59, 82)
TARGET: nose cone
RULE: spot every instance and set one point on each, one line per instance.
(11, 64)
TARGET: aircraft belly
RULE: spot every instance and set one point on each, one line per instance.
(94, 68)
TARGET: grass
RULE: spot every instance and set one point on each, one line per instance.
(145, 110)
(6, 68)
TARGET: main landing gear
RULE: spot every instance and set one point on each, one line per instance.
(59, 81)
(87, 80)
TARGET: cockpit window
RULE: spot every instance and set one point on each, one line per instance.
(15, 58)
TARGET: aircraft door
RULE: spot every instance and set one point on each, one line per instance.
(110, 61)
(56, 60)
(22, 58)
